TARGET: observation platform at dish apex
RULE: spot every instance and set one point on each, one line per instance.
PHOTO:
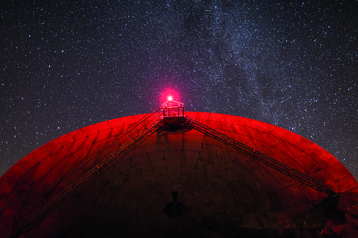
(173, 117)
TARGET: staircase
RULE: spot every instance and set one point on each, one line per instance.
(262, 158)
(109, 155)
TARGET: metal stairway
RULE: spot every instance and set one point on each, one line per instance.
(113, 152)
(249, 152)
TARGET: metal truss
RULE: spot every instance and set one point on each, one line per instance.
(262, 158)
(113, 152)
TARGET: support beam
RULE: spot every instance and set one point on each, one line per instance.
(260, 157)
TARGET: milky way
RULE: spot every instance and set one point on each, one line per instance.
(66, 65)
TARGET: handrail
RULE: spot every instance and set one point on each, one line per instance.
(260, 157)
(142, 129)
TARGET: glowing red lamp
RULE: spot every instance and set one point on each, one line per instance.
(169, 95)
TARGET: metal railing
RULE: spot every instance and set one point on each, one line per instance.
(260, 157)
(135, 135)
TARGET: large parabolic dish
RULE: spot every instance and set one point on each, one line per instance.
(179, 180)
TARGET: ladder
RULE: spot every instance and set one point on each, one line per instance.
(260, 157)
(134, 136)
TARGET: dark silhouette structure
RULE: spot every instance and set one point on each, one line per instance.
(175, 174)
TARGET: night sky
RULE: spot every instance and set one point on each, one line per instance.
(70, 64)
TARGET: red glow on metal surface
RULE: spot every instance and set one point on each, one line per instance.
(44, 166)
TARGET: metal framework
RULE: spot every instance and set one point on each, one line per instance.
(173, 109)
(249, 152)
(134, 136)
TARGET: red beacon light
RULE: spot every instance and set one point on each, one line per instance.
(172, 108)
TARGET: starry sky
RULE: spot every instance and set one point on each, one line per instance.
(70, 64)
